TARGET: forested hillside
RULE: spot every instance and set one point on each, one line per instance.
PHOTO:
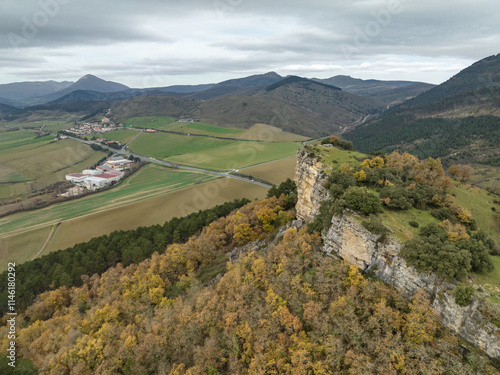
(458, 121)
(477, 83)
(469, 139)
(282, 307)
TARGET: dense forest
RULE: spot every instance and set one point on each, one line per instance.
(282, 307)
(65, 267)
(424, 137)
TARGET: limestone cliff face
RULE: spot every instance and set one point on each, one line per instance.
(349, 240)
(310, 179)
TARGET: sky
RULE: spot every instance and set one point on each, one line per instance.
(152, 43)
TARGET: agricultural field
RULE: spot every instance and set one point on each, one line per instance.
(7, 174)
(163, 145)
(258, 132)
(22, 247)
(20, 138)
(151, 196)
(237, 155)
(203, 129)
(274, 171)
(52, 125)
(121, 135)
(149, 122)
(268, 133)
(42, 162)
(153, 211)
(150, 181)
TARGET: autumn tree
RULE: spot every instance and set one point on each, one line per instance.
(460, 171)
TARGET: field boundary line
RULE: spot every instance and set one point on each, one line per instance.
(49, 238)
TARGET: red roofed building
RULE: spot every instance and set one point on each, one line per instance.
(110, 176)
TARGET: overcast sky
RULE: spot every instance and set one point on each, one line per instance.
(148, 43)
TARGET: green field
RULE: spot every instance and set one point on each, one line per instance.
(238, 155)
(121, 135)
(42, 163)
(22, 247)
(153, 211)
(18, 138)
(258, 132)
(149, 122)
(151, 181)
(7, 174)
(201, 128)
(163, 145)
(52, 125)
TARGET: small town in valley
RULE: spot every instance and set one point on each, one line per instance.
(87, 128)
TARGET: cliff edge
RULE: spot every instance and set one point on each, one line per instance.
(347, 239)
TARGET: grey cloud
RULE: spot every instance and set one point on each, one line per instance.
(242, 36)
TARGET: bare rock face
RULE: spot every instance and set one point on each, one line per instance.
(310, 179)
(349, 240)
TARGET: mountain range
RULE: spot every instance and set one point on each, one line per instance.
(26, 94)
(457, 120)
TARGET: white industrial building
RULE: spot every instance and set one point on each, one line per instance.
(76, 178)
(94, 183)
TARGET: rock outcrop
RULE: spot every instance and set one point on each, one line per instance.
(347, 239)
(310, 181)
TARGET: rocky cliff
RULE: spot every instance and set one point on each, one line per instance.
(310, 179)
(349, 240)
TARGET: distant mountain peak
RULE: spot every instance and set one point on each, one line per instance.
(296, 79)
(253, 80)
(93, 83)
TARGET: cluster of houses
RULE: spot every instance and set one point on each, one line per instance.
(92, 127)
(104, 141)
(111, 171)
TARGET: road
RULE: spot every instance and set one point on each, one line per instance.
(128, 153)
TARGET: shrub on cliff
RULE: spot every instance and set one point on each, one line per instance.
(374, 225)
(463, 294)
(362, 200)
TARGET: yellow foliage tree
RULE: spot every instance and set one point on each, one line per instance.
(464, 216)
(244, 233)
(345, 168)
(400, 161)
(354, 278)
(373, 163)
(421, 325)
(267, 216)
(455, 232)
(360, 176)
